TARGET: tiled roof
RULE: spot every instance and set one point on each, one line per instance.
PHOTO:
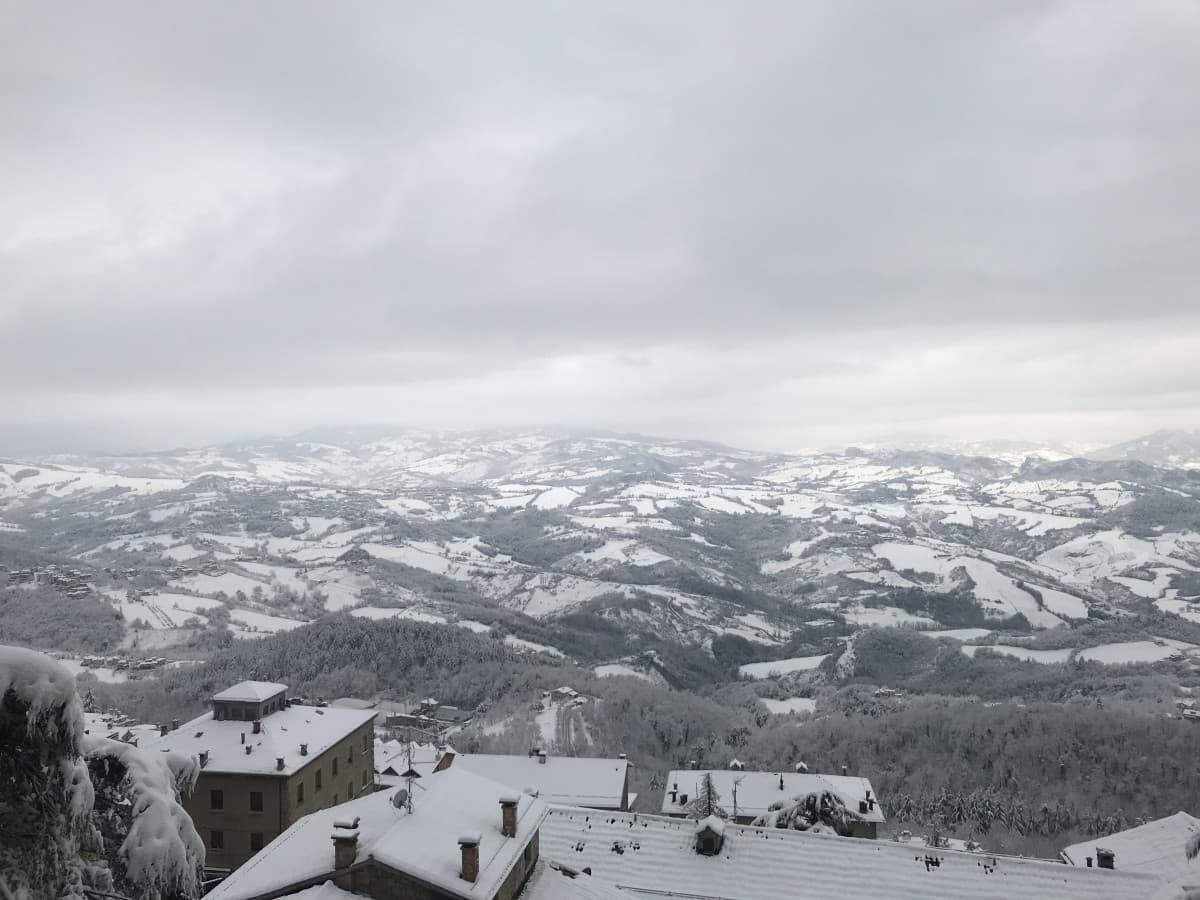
(656, 856)
(281, 735)
(757, 791)
(423, 843)
(567, 780)
(1157, 847)
(250, 691)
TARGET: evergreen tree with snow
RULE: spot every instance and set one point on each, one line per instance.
(707, 802)
(81, 814)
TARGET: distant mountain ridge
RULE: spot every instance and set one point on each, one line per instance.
(1171, 449)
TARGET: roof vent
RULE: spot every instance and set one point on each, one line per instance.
(279, 764)
(249, 748)
(304, 749)
(845, 771)
(542, 757)
(1105, 858)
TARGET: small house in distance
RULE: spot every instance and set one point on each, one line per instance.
(264, 763)
(748, 796)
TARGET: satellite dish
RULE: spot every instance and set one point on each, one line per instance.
(400, 799)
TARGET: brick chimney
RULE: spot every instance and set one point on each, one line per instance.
(445, 762)
(1105, 858)
(345, 843)
(508, 815)
(469, 844)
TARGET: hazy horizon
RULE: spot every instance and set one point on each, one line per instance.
(42, 443)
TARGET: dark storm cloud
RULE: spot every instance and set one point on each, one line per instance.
(251, 197)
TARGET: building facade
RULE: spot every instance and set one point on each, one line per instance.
(265, 763)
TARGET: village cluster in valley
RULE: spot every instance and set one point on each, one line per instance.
(369, 799)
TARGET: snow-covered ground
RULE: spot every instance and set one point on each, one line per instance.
(522, 644)
(615, 669)
(781, 666)
(790, 705)
(1038, 656)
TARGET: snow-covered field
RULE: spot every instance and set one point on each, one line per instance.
(790, 705)
(617, 669)
(781, 666)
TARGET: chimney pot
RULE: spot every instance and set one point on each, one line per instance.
(279, 763)
(1105, 859)
(162, 730)
(621, 756)
(845, 770)
(248, 749)
(345, 846)
(258, 726)
(174, 724)
(862, 806)
(203, 758)
(469, 845)
(542, 757)
(304, 749)
(243, 737)
(695, 765)
(508, 816)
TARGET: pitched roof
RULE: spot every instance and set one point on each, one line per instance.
(757, 791)
(548, 882)
(250, 691)
(656, 855)
(551, 881)
(282, 733)
(1157, 847)
(569, 780)
(422, 844)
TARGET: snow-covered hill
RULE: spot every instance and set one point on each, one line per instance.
(662, 539)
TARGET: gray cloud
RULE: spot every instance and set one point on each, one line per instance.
(207, 204)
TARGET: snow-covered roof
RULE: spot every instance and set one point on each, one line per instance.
(282, 733)
(568, 780)
(391, 759)
(117, 727)
(551, 881)
(250, 691)
(423, 844)
(548, 882)
(757, 791)
(656, 855)
(1157, 847)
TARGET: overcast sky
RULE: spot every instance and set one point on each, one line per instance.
(772, 224)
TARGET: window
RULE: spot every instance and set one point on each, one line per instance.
(318, 779)
(350, 789)
(300, 792)
(256, 841)
(216, 799)
(216, 840)
(256, 803)
(335, 767)
(350, 754)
